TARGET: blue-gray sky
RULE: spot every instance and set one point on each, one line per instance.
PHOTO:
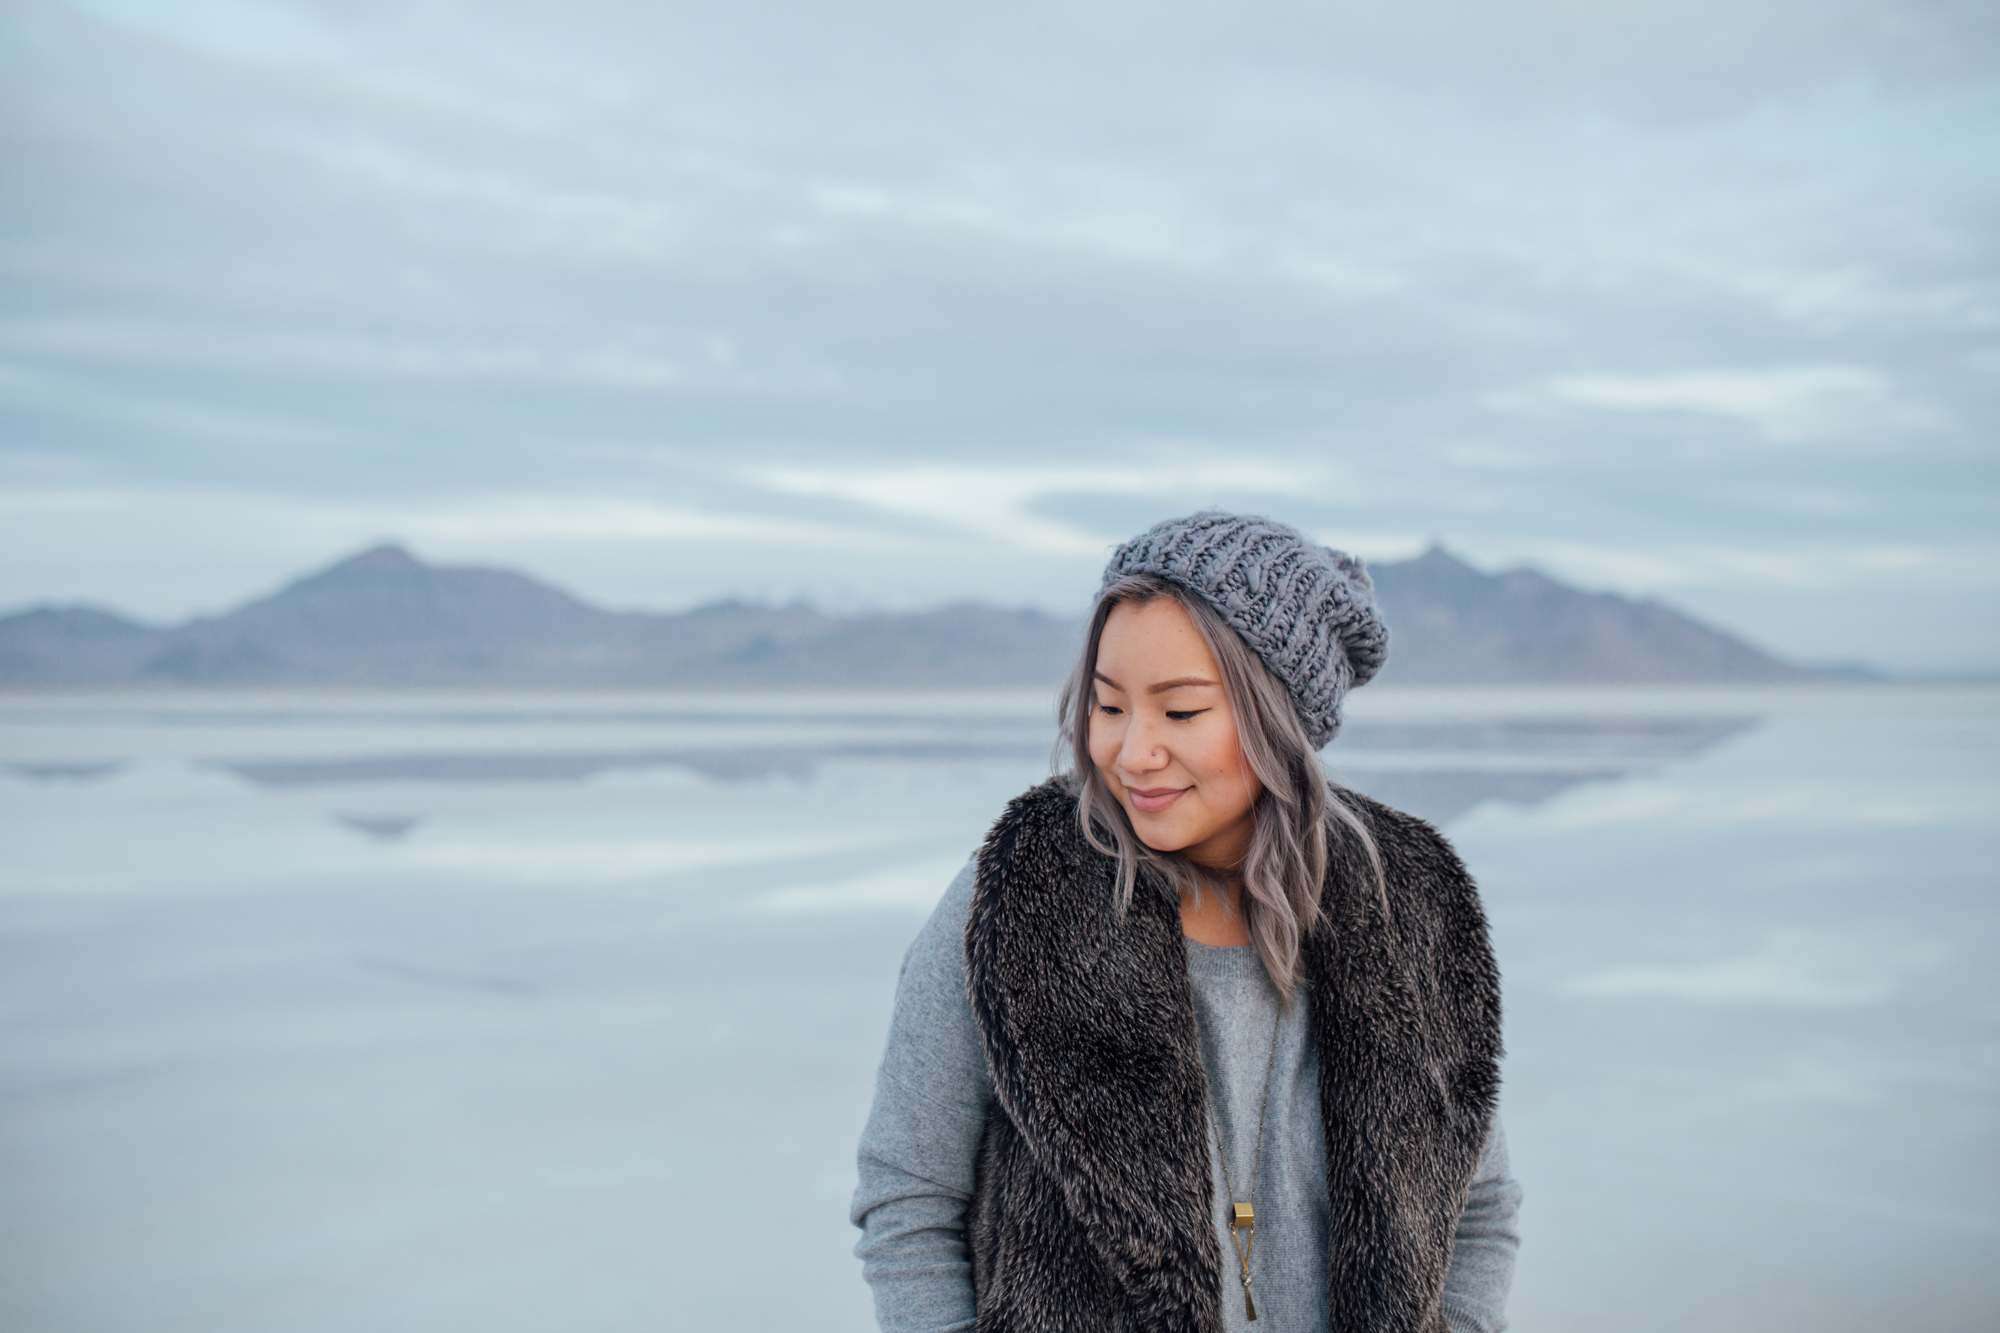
(893, 302)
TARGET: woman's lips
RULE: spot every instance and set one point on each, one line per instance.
(1154, 799)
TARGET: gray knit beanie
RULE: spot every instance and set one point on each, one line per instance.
(1308, 611)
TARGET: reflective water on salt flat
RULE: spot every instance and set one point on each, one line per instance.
(552, 1012)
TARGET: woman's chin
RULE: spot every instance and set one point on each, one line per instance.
(1159, 835)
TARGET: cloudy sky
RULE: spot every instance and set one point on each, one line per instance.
(894, 302)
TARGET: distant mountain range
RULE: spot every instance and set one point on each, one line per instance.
(1451, 624)
(384, 619)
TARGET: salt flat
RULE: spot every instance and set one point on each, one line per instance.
(539, 1012)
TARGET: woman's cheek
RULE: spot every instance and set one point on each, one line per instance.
(1219, 755)
(1227, 772)
(1103, 747)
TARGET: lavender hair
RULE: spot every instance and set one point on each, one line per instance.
(1298, 816)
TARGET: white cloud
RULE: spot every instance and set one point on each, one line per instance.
(680, 362)
(1125, 223)
(131, 409)
(1375, 546)
(992, 502)
(250, 30)
(609, 519)
(1786, 405)
(1838, 300)
(1348, 276)
(466, 519)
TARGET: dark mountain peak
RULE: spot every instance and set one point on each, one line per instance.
(77, 620)
(1439, 574)
(1435, 556)
(365, 574)
(382, 617)
(391, 571)
(1435, 566)
(73, 645)
(1448, 622)
(385, 558)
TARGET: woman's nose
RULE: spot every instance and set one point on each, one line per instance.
(1142, 751)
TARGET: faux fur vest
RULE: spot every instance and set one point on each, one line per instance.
(1093, 1209)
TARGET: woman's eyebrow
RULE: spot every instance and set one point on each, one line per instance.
(1108, 681)
(1177, 683)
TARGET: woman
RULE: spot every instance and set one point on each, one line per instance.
(1198, 1039)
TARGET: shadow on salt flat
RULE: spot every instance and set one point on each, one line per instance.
(726, 765)
(382, 828)
(66, 772)
(1441, 770)
(453, 980)
(1442, 796)
(1626, 739)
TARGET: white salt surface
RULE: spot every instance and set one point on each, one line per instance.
(582, 1041)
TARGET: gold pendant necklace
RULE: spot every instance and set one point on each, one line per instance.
(1243, 1215)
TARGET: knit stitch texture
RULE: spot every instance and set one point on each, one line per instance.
(1307, 610)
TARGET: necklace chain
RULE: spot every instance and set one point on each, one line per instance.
(1244, 1248)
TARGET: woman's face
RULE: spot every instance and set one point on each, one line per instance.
(1163, 736)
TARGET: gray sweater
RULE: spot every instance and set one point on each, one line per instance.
(933, 1093)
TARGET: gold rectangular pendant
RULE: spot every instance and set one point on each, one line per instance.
(1249, 1307)
(1242, 1215)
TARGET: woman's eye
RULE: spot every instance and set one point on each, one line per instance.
(1182, 715)
(1109, 710)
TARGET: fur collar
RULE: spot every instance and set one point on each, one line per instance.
(1092, 1208)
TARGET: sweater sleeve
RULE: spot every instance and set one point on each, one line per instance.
(916, 1158)
(1482, 1256)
